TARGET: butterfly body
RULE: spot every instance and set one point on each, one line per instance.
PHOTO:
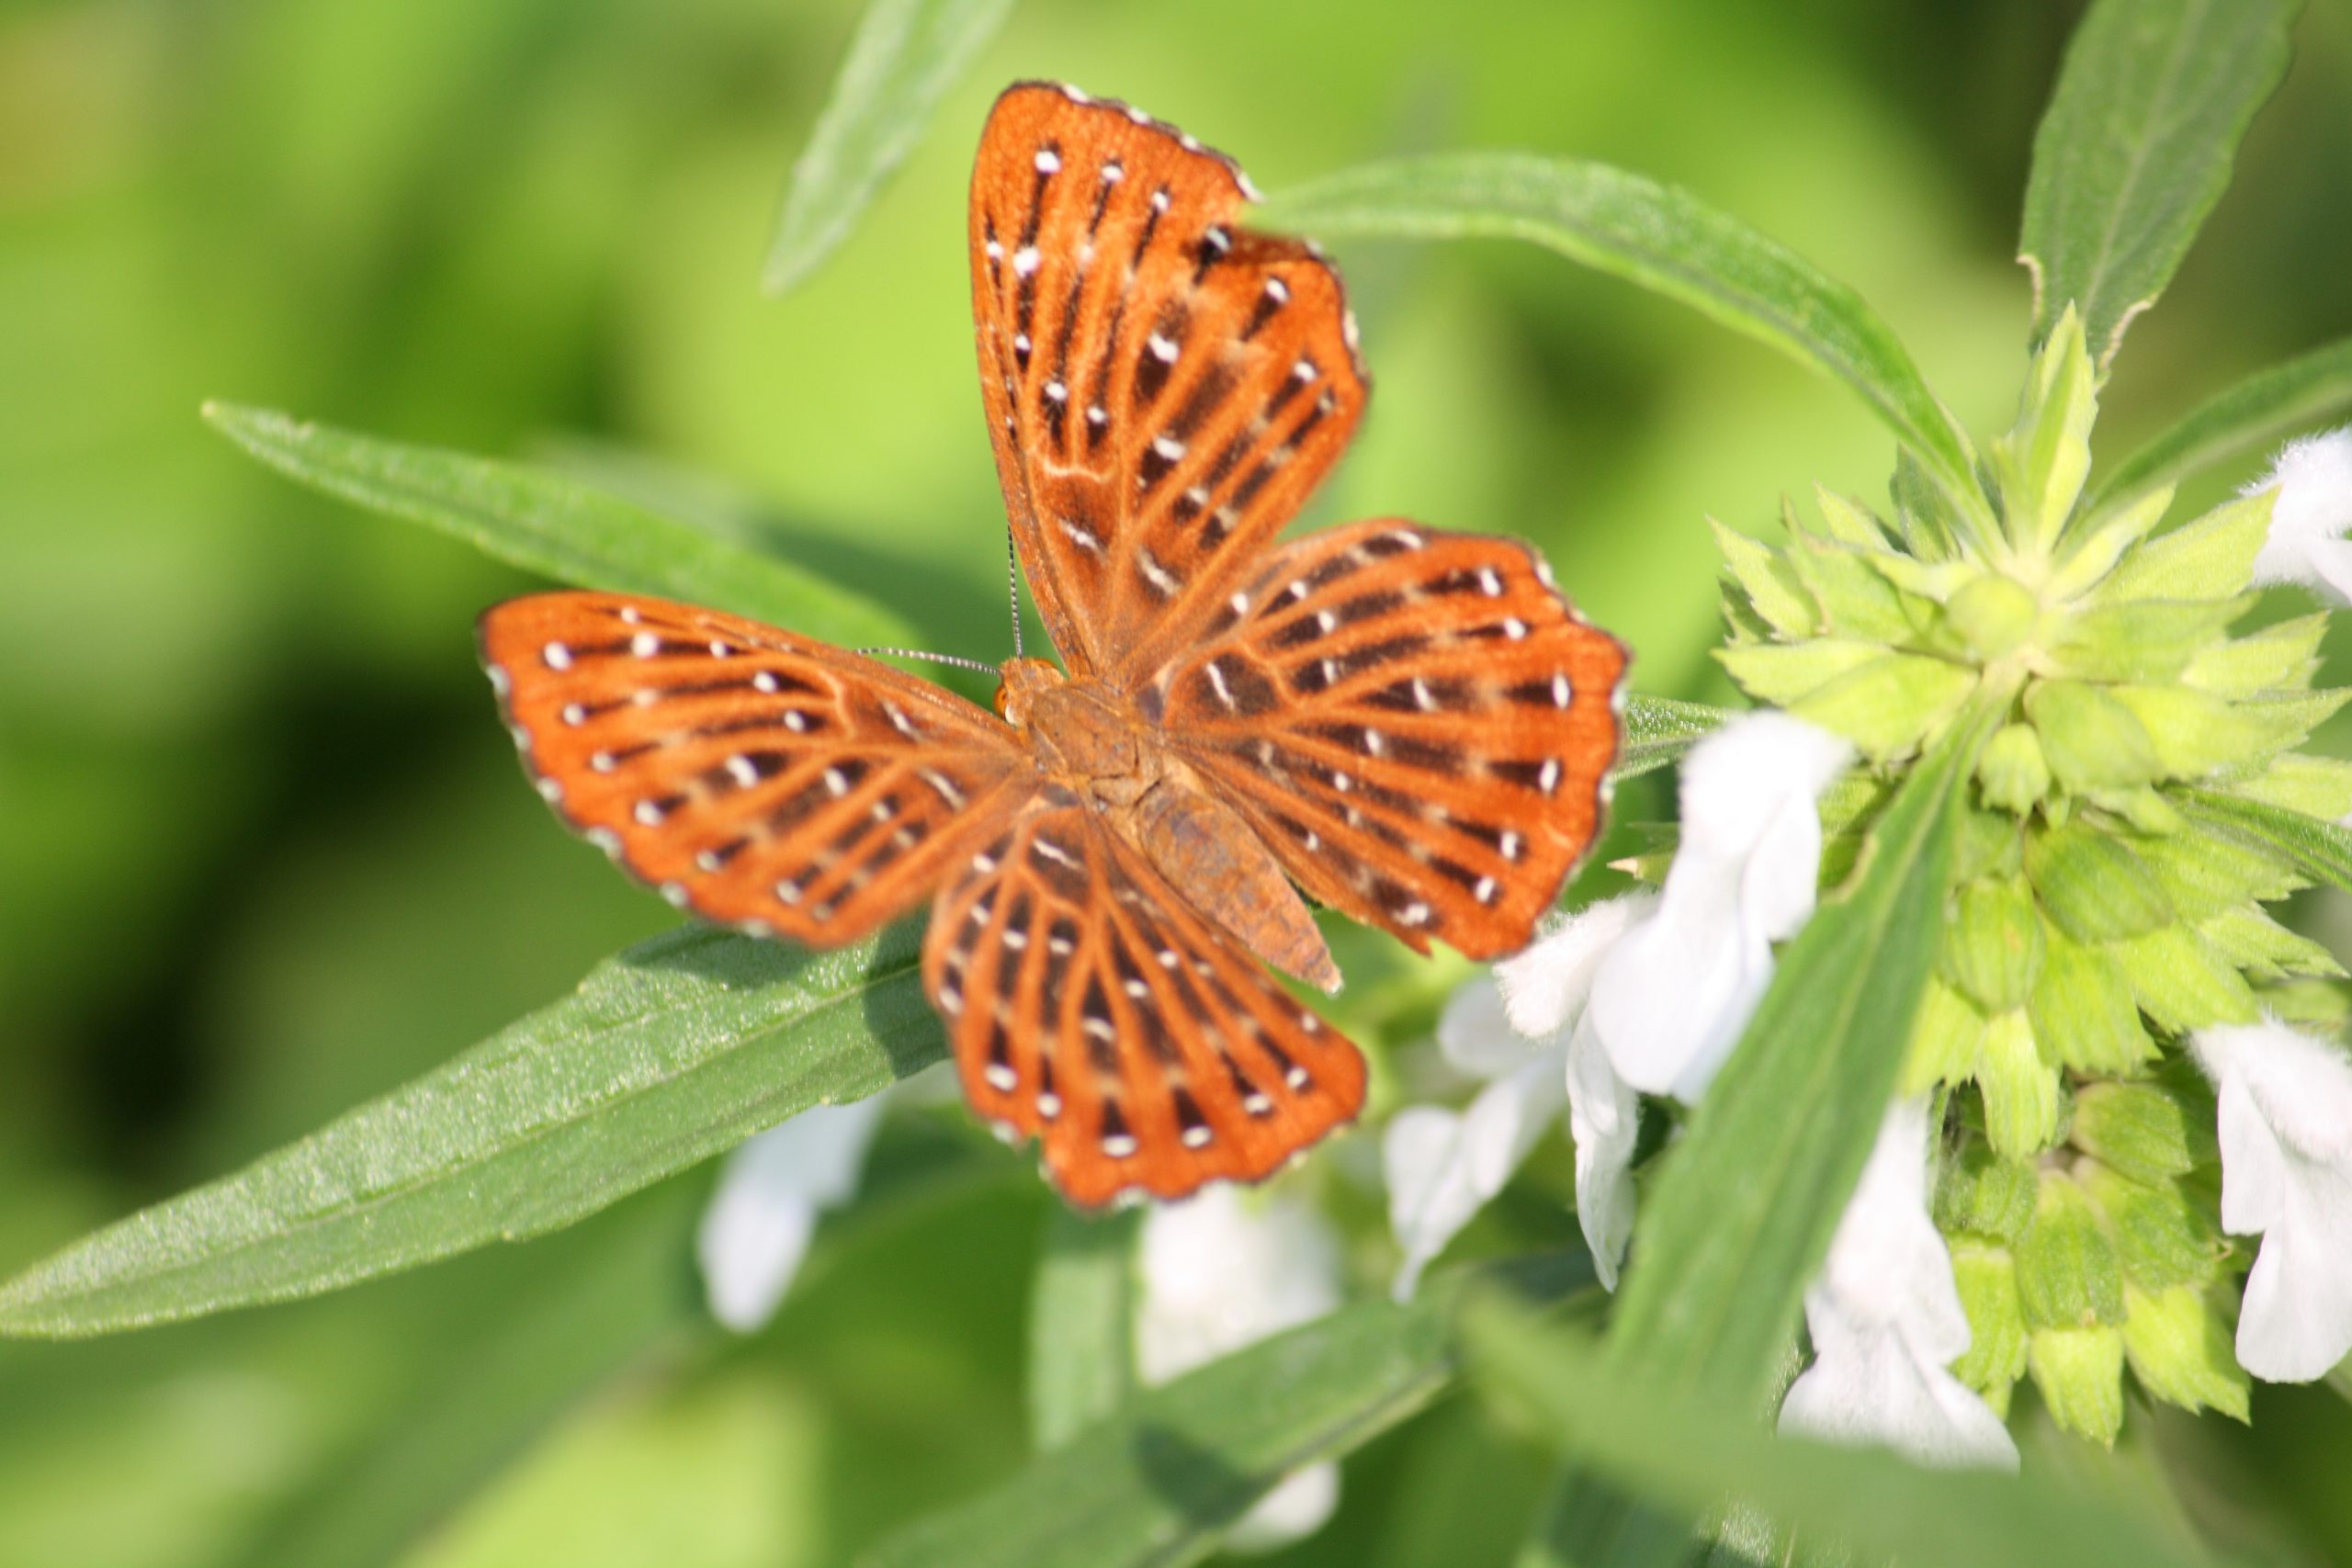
(1411, 728)
(1089, 738)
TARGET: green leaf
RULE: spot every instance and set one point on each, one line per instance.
(676, 1049)
(1661, 239)
(1743, 1211)
(2182, 984)
(905, 55)
(2089, 739)
(1783, 672)
(1769, 583)
(2319, 787)
(2322, 851)
(2135, 149)
(1662, 1444)
(2080, 1374)
(1082, 1323)
(2094, 889)
(2178, 1343)
(545, 522)
(2068, 1274)
(2019, 1087)
(1655, 730)
(1159, 1483)
(2211, 558)
(1993, 947)
(2268, 406)
(2282, 657)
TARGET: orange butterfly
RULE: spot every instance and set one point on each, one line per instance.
(1412, 726)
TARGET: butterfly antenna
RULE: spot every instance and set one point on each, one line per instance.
(1013, 586)
(933, 657)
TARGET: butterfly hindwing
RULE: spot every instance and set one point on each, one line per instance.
(1164, 388)
(754, 777)
(1415, 721)
(1088, 1004)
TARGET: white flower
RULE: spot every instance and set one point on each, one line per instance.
(1521, 1036)
(1637, 993)
(760, 1221)
(1886, 1322)
(2285, 1129)
(1671, 999)
(1223, 1271)
(2310, 516)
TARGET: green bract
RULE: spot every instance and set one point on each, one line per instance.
(2101, 909)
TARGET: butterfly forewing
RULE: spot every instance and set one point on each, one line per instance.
(1087, 1003)
(1163, 387)
(754, 777)
(1415, 721)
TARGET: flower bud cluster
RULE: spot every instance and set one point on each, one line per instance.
(2103, 908)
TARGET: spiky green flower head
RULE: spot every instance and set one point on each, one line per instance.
(2105, 906)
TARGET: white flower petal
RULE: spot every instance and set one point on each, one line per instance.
(1443, 1167)
(2314, 511)
(2286, 1136)
(1476, 1034)
(1544, 988)
(1671, 997)
(1292, 1511)
(2254, 1164)
(2303, 1086)
(1737, 782)
(1224, 1269)
(1867, 1386)
(1886, 1320)
(2296, 1323)
(1604, 1118)
(757, 1228)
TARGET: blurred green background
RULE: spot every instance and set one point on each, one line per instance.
(263, 850)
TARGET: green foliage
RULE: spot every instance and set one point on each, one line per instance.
(450, 170)
(669, 1054)
(905, 55)
(2136, 148)
(1666, 1442)
(547, 523)
(2306, 392)
(1161, 1481)
(1082, 1323)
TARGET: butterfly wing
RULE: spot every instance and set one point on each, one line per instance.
(1163, 387)
(1086, 1001)
(753, 776)
(1415, 721)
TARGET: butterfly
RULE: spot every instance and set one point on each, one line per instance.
(1411, 726)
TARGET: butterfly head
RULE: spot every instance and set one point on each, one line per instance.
(1024, 681)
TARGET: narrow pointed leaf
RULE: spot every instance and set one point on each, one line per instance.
(1660, 1444)
(2135, 149)
(905, 55)
(1082, 1322)
(1159, 1483)
(2322, 851)
(1662, 239)
(546, 523)
(2268, 406)
(1659, 730)
(670, 1051)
